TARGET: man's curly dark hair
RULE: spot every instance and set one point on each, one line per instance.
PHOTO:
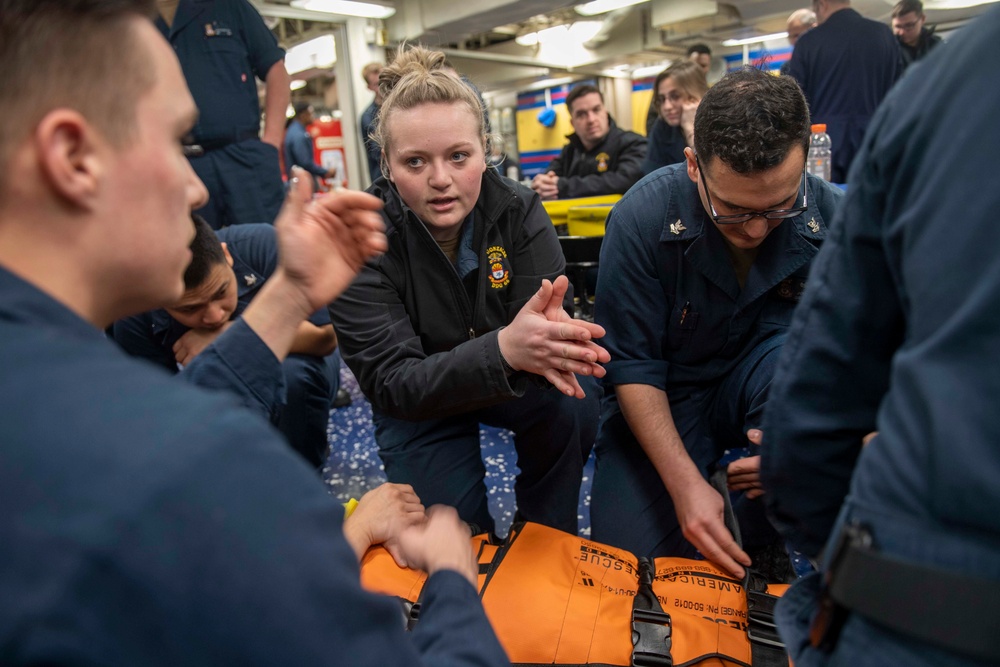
(751, 120)
(206, 253)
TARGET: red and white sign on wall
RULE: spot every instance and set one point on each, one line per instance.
(328, 145)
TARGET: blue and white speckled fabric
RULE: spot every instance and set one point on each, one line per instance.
(354, 466)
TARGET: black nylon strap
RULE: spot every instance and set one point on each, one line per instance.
(766, 647)
(196, 147)
(720, 482)
(937, 606)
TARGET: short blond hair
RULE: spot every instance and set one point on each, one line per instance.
(369, 69)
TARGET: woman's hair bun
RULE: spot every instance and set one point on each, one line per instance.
(409, 60)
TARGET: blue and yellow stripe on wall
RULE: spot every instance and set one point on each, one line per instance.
(770, 60)
(537, 145)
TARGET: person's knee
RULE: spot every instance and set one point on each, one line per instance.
(580, 415)
(307, 379)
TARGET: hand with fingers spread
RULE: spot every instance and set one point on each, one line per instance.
(322, 245)
(700, 511)
(546, 341)
(744, 474)
(324, 242)
(381, 516)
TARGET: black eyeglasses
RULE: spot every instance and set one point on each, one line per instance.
(739, 219)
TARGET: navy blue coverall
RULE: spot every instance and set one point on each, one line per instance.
(677, 320)
(899, 332)
(310, 382)
(148, 522)
(222, 46)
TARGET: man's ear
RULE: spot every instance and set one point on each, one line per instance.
(692, 164)
(229, 257)
(68, 153)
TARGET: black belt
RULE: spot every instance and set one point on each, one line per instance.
(937, 606)
(198, 147)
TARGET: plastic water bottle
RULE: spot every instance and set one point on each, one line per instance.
(818, 160)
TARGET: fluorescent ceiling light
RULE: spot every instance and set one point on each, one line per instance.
(604, 6)
(296, 84)
(319, 53)
(955, 4)
(618, 72)
(367, 10)
(650, 70)
(755, 40)
(550, 83)
(576, 33)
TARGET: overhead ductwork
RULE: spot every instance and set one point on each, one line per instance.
(681, 19)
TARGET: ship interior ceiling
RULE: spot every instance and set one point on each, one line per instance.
(480, 40)
(484, 40)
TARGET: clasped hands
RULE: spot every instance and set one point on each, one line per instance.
(543, 339)
(431, 539)
(546, 185)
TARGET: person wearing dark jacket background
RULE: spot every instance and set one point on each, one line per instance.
(600, 158)
(915, 39)
(449, 327)
(845, 65)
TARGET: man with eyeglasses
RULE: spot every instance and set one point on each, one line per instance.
(701, 269)
(915, 39)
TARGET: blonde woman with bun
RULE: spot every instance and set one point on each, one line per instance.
(462, 321)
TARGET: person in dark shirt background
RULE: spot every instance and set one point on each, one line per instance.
(845, 65)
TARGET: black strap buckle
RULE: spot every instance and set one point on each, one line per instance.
(761, 627)
(413, 616)
(766, 647)
(651, 631)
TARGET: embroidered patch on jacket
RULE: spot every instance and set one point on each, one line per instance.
(602, 162)
(499, 268)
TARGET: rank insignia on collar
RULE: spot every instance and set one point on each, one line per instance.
(250, 279)
(813, 225)
(677, 227)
